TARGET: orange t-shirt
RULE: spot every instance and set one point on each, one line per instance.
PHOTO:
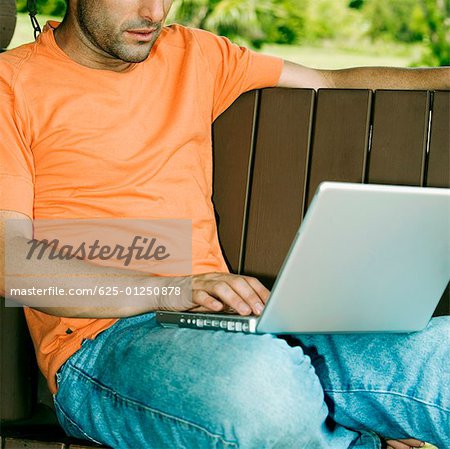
(84, 143)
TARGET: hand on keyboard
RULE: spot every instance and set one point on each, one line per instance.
(214, 292)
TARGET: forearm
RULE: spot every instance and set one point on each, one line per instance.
(106, 288)
(390, 78)
(298, 76)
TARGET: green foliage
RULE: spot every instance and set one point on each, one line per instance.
(55, 8)
(393, 20)
(332, 19)
(437, 18)
(258, 22)
(251, 22)
(425, 21)
(254, 22)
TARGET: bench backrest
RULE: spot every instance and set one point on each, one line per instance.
(271, 150)
(273, 147)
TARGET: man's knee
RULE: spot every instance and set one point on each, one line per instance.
(247, 391)
(268, 397)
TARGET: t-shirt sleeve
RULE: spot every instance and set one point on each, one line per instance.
(235, 69)
(16, 159)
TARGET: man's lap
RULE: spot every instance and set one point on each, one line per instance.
(192, 378)
(195, 378)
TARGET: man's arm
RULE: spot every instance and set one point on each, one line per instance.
(17, 229)
(295, 75)
(201, 292)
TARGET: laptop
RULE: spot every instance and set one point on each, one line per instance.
(366, 258)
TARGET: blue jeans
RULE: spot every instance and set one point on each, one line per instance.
(138, 385)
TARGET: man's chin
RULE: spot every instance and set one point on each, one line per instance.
(137, 60)
(134, 56)
(135, 52)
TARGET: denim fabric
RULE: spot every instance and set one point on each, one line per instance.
(138, 385)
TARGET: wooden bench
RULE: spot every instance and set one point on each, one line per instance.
(271, 150)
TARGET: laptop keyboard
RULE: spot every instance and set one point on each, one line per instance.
(223, 321)
(229, 325)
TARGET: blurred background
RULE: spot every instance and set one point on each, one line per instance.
(317, 33)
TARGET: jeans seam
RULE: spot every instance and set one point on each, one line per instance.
(137, 404)
(393, 393)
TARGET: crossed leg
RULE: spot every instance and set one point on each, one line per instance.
(395, 384)
(139, 385)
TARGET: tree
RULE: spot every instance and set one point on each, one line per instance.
(408, 21)
(48, 7)
(251, 22)
(393, 20)
(437, 16)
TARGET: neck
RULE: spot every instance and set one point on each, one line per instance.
(72, 41)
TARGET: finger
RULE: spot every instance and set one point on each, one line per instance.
(243, 288)
(259, 288)
(413, 442)
(203, 299)
(198, 309)
(403, 444)
(222, 291)
(234, 291)
(397, 445)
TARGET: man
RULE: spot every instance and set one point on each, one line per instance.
(108, 115)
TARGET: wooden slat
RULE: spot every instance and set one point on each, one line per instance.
(438, 162)
(12, 443)
(399, 137)
(233, 134)
(16, 364)
(278, 179)
(438, 174)
(341, 136)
